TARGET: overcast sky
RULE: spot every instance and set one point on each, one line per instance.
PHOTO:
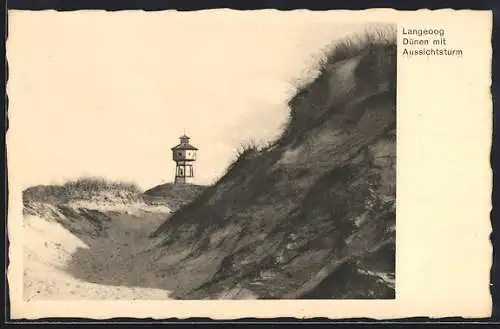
(108, 94)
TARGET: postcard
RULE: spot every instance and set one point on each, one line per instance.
(230, 164)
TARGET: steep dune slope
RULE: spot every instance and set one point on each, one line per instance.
(313, 214)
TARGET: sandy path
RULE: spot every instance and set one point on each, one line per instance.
(59, 265)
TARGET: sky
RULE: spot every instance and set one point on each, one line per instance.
(108, 94)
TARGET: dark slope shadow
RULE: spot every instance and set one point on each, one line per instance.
(349, 283)
(119, 256)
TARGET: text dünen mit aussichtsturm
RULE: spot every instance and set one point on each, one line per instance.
(426, 42)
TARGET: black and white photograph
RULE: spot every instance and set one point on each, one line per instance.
(234, 161)
(235, 165)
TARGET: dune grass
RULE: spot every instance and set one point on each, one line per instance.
(81, 189)
(97, 184)
(373, 40)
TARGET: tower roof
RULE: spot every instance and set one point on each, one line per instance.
(184, 145)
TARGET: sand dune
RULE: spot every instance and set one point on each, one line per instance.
(311, 215)
(61, 265)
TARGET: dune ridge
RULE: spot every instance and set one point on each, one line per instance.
(312, 214)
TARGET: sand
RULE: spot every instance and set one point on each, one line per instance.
(59, 265)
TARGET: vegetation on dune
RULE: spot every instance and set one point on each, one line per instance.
(84, 188)
(95, 184)
(243, 152)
